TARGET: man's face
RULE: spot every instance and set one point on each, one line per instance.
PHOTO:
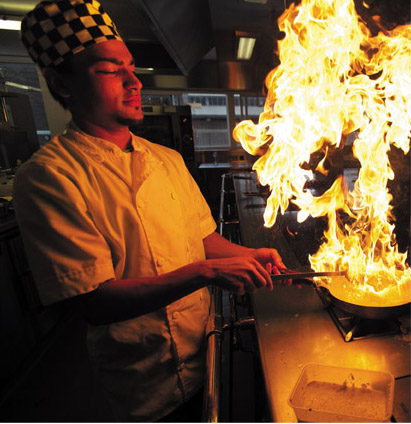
(103, 87)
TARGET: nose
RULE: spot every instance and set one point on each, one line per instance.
(131, 81)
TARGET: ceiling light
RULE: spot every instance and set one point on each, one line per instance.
(138, 70)
(245, 48)
(10, 24)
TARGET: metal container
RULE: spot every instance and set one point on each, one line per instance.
(334, 394)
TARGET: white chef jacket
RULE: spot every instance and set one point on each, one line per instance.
(89, 212)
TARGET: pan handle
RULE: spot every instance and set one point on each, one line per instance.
(303, 275)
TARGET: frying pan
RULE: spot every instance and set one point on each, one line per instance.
(342, 300)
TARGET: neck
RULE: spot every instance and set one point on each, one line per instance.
(119, 135)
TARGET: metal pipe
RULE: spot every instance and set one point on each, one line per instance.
(211, 404)
(221, 213)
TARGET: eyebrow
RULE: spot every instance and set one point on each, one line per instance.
(112, 60)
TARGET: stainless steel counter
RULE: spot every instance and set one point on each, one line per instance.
(294, 329)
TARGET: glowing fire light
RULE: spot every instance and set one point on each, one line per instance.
(335, 79)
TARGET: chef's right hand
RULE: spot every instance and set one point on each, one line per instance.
(238, 275)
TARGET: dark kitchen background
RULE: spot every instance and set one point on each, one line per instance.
(195, 91)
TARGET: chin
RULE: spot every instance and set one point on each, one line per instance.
(129, 122)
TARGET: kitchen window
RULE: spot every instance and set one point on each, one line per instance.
(210, 120)
(248, 107)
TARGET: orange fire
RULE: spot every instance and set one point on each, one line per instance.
(336, 80)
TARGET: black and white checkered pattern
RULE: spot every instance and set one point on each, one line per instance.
(54, 30)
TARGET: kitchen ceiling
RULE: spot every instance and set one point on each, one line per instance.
(192, 42)
(193, 30)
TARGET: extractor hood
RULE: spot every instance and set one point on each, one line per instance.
(183, 28)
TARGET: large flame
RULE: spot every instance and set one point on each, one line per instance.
(335, 79)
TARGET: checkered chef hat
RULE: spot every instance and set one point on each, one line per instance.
(55, 30)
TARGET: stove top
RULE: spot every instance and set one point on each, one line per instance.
(353, 328)
(294, 325)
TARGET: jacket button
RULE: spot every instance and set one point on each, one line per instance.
(160, 261)
(173, 195)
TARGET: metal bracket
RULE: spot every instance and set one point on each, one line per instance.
(240, 323)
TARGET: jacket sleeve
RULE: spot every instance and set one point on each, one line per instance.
(66, 253)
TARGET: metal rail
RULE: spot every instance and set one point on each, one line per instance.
(216, 329)
(211, 404)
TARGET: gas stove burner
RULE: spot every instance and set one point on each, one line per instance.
(353, 328)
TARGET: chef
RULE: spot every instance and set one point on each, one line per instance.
(118, 223)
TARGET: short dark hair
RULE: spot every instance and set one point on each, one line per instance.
(64, 68)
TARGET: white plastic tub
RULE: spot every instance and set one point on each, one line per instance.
(333, 394)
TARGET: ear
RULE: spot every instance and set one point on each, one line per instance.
(57, 82)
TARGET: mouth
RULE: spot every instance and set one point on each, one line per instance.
(133, 101)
